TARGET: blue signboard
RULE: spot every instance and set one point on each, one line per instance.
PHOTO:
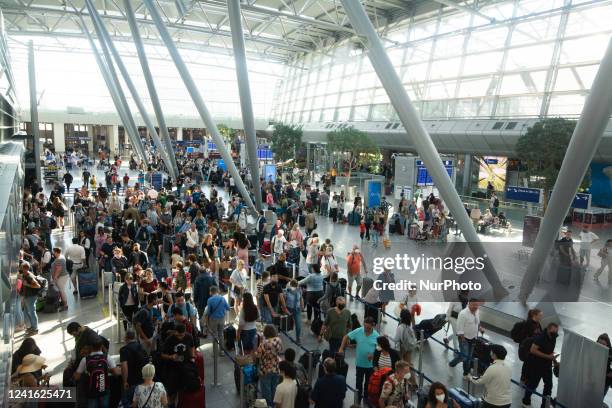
(189, 150)
(581, 200)
(423, 176)
(221, 165)
(374, 193)
(157, 181)
(212, 146)
(530, 195)
(270, 172)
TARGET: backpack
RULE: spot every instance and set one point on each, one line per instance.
(525, 348)
(375, 385)
(519, 332)
(302, 397)
(97, 370)
(496, 202)
(316, 326)
(44, 285)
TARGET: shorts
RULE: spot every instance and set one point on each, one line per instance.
(354, 278)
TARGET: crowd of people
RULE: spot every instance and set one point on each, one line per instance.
(182, 260)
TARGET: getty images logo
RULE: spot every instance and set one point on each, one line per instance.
(413, 264)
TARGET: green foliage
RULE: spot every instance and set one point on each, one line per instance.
(541, 150)
(227, 132)
(286, 142)
(361, 149)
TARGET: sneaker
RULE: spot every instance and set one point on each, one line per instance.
(75, 292)
(453, 363)
(20, 328)
(31, 333)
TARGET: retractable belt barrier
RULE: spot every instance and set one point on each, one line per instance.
(471, 359)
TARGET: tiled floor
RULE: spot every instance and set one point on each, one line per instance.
(587, 317)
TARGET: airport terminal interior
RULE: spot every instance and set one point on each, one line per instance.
(306, 203)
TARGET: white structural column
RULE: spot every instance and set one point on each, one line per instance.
(416, 130)
(159, 114)
(192, 88)
(583, 144)
(244, 89)
(179, 134)
(110, 78)
(113, 139)
(34, 111)
(59, 137)
(103, 36)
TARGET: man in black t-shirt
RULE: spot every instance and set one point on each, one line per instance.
(273, 294)
(132, 357)
(540, 361)
(177, 351)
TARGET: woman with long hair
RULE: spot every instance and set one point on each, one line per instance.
(247, 330)
(384, 356)
(438, 397)
(405, 338)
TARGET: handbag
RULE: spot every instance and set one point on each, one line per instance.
(243, 359)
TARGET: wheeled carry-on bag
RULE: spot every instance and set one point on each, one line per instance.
(87, 283)
(464, 399)
(430, 326)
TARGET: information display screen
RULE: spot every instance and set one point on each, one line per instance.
(423, 177)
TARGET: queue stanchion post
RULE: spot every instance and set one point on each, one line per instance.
(294, 271)
(253, 281)
(118, 323)
(422, 341)
(242, 393)
(378, 319)
(309, 359)
(215, 362)
(356, 397)
(474, 374)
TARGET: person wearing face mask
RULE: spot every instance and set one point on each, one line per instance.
(497, 380)
(395, 391)
(365, 338)
(354, 262)
(384, 356)
(438, 397)
(294, 303)
(337, 325)
(539, 363)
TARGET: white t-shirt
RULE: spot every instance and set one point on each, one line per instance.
(237, 278)
(75, 253)
(285, 393)
(279, 244)
(586, 238)
(329, 265)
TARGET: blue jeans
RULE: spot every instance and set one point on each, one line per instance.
(297, 318)
(30, 311)
(266, 315)
(102, 401)
(267, 385)
(375, 238)
(19, 319)
(128, 396)
(248, 338)
(466, 348)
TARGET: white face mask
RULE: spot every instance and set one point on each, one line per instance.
(378, 348)
(407, 375)
(440, 397)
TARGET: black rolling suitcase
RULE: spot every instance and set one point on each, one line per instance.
(430, 326)
(482, 351)
(283, 322)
